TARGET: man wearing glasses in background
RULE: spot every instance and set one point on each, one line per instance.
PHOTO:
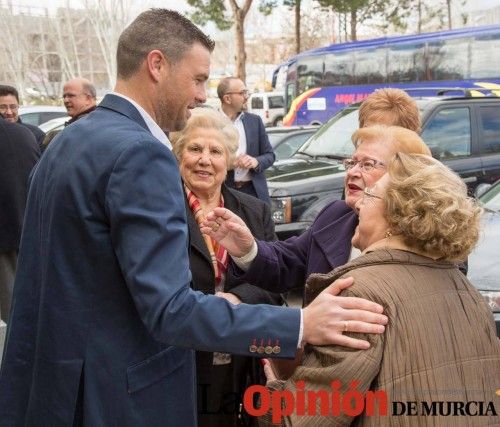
(9, 109)
(255, 153)
(79, 97)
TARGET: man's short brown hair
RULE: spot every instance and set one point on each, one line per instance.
(161, 29)
(224, 85)
(391, 107)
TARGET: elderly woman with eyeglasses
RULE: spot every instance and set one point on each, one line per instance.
(327, 243)
(440, 345)
(286, 264)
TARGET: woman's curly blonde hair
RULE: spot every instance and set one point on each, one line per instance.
(427, 204)
(207, 118)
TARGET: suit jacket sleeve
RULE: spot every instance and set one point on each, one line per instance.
(251, 294)
(266, 155)
(145, 206)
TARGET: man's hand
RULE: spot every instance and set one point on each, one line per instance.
(229, 230)
(232, 298)
(244, 161)
(329, 315)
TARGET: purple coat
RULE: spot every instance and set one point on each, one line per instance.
(283, 265)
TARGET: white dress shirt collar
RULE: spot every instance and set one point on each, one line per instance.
(153, 127)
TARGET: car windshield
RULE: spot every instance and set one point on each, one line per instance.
(491, 199)
(275, 137)
(334, 138)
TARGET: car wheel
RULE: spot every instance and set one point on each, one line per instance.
(278, 121)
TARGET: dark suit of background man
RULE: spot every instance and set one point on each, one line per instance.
(18, 154)
(9, 109)
(102, 292)
(255, 153)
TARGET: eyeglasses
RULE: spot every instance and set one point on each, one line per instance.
(366, 165)
(241, 92)
(367, 192)
(11, 107)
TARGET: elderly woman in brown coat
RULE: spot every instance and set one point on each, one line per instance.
(439, 358)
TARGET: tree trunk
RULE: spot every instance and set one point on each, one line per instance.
(419, 24)
(297, 26)
(354, 20)
(448, 5)
(239, 15)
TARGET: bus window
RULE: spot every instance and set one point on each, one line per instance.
(485, 57)
(448, 133)
(448, 60)
(370, 66)
(406, 63)
(339, 69)
(309, 73)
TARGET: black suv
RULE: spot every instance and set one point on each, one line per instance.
(461, 131)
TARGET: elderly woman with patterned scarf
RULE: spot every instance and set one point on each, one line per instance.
(205, 149)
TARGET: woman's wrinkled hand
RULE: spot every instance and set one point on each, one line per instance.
(229, 230)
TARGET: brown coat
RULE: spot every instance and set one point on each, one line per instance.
(440, 343)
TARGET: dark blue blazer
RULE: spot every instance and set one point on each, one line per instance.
(258, 146)
(19, 152)
(285, 265)
(102, 293)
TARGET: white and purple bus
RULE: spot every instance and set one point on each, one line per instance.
(319, 82)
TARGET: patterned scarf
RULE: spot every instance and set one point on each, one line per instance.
(218, 253)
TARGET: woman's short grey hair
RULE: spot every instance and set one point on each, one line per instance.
(427, 204)
(207, 118)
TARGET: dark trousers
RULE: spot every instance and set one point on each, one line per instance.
(8, 263)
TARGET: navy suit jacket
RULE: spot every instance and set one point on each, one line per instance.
(258, 146)
(19, 152)
(102, 292)
(285, 265)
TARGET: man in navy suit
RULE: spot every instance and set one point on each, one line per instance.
(104, 321)
(255, 153)
(19, 152)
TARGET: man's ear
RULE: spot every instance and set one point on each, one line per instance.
(155, 64)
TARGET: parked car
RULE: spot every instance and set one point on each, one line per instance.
(56, 124)
(461, 131)
(287, 140)
(270, 106)
(38, 114)
(484, 265)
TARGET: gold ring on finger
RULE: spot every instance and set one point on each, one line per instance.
(215, 227)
